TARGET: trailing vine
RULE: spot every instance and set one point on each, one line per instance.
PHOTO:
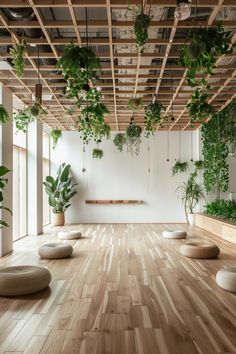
(153, 117)
(23, 119)
(119, 141)
(133, 138)
(199, 109)
(179, 167)
(217, 134)
(55, 134)
(97, 153)
(17, 54)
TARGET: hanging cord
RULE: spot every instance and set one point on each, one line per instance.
(86, 34)
(38, 66)
(168, 146)
(191, 146)
(179, 144)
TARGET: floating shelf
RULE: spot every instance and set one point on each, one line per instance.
(114, 201)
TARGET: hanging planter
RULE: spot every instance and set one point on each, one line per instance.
(98, 153)
(135, 103)
(36, 109)
(23, 119)
(179, 167)
(119, 141)
(4, 116)
(17, 53)
(133, 138)
(153, 117)
(199, 109)
(142, 22)
(199, 165)
(55, 134)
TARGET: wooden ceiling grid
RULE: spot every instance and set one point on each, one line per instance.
(163, 73)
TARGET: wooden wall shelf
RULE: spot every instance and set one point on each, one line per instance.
(114, 201)
(223, 229)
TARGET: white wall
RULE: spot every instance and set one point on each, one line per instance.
(121, 176)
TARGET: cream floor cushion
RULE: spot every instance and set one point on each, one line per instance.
(69, 235)
(23, 280)
(199, 250)
(175, 234)
(226, 279)
(55, 250)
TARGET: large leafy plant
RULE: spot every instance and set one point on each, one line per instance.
(17, 54)
(191, 193)
(3, 182)
(153, 117)
(4, 116)
(224, 209)
(201, 52)
(61, 189)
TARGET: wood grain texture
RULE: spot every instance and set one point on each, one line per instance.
(126, 290)
(115, 201)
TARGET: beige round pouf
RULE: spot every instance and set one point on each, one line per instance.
(69, 235)
(175, 234)
(199, 250)
(55, 250)
(23, 280)
(226, 279)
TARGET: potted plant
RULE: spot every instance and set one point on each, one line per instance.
(119, 141)
(153, 117)
(22, 119)
(55, 134)
(135, 103)
(133, 138)
(142, 22)
(17, 54)
(199, 109)
(192, 193)
(3, 181)
(97, 153)
(36, 109)
(179, 167)
(60, 190)
(199, 165)
(4, 116)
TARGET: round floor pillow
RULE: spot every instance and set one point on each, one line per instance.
(69, 235)
(55, 250)
(226, 279)
(23, 280)
(174, 234)
(199, 250)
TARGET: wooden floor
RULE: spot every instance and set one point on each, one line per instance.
(126, 290)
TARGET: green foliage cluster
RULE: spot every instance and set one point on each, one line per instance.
(17, 54)
(3, 182)
(179, 167)
(119, 141)
(141, 24)
(97, 153)
(224, 209)
(199, 165)
(153, 116)
(135, 103)
(55, 134)
(60, 190)
(36, 109)
(199, 109)
(23, 119)
(133, 131)
(216, 135)
(201, 52)
(4, 116)
(131, 139)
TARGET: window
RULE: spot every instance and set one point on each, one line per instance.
(46, 172)
(19, 186)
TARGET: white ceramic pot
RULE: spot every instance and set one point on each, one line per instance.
(191, 219)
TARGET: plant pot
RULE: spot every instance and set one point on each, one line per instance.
(191, 219)
(58, 219)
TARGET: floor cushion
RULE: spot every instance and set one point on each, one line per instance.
(174, 234)
(199, 250)
(226, 279)
(23, 280)
(69, 235)
(55, 250)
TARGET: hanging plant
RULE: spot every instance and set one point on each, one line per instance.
(205, 46)
(3, 182)
(36, 109)
(153, 117)
(216, 135)
(179, 167)
(17, 53)
(119, 141)
(142, 22)
(133, 138)
(98, 153)
(199, 109)
(199, 165)
(55, 134)
(23, 118)
(79, 65)
(135, 103)
(4, 116)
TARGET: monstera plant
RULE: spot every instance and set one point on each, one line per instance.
(60, 190)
